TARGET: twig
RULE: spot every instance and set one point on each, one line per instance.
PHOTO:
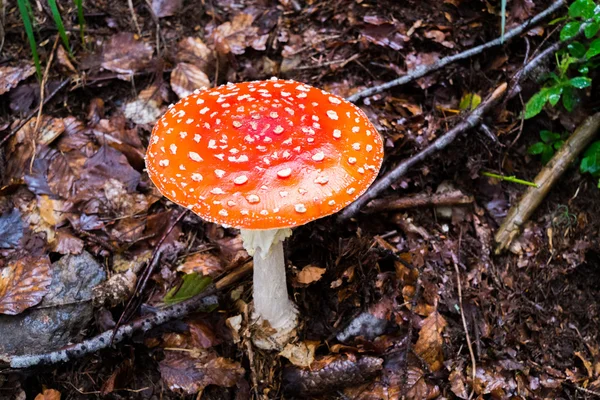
(512, 179)
(134, 17)
(202, 301)
(452, 198)
(426, 69)
(34, 112)
(141, 284)
(440, 143)
(548, 176)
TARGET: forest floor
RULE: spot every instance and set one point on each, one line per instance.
(410, 302)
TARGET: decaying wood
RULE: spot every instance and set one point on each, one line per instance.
(519, 214)
(453, 198)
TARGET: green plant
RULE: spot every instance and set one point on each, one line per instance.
(26, 13)
(550, 143)
(590, 163)
(191, 285)
(562, 84)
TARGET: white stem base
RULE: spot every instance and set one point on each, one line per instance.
(271, 301)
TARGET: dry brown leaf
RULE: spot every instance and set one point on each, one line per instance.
(206, 264)
(62, 59)
(457, 384)
(51, 210)
(185, 78)
(418, 388)
(310, 274)
(166, 8)
(11, 76)
(301, 354)
(23, 284)
(192, 50)
(115, 290)
(66, 243)
(586, 363)
(184, 373)
(48, 394)
(235, 36)
(125, 55)
(429, 344)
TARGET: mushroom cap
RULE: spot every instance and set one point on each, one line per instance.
(264, 154)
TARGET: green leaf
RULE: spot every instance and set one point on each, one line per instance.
(469, 101)
(591, 29)
(570, 30)
(554, 94)
(568, 99)
(24, 10)
(594, 49)
(536, 103)
(557, 20)
(548, 136)
(59, 25)
(558, 144)
(80, 19)
(591, 160)
(582, 8)
(547, 154)
(536, 148)
(580, 82)
(584, 69)
(576, 49)
(193, 284)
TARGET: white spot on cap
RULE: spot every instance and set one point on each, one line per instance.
(369, 147)
(278, 129)
(219, 173)
(289, 110)
(334, 100)
(223, 213)
(195, 156)
(196, 177)
(212, 144)
(240, 180)
(332, 114)
(337, 133)
(361, 170)
(318, 156)
(356, 146)
(199, 101)
(242, 158)
(237, 124)
(204, 110)
(331, 202)
(285, 94)
(252, 198)
(182, 135)
(264, 212)
(355, 129)
(284, 173)
(283, 193)
(173, 148)
(351, 160)
(322, 180)
(244, 212)
(273, 114)
(300, 208)
(217, 191)
(351, 190)
(197, 138)
(231, 203)
(182, 167)
(189, 120)
(163, 163)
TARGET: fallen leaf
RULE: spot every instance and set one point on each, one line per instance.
(11, 76)
(235, 36)
(205, 263)
(11, 229)
(143, 111)
(125, 55)
(23, 284)
(192, 50)
(62, 59)
(429, 344)
(184, 373)
(457, 384)
(166, 8)
(301, 354)
(115, 290)
(185, 78)
(48, 394)
(66, 243)
(310, 274)
(193, 284)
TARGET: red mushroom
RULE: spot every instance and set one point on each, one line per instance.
(264, 157)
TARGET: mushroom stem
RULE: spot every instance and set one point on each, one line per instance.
(271, 300)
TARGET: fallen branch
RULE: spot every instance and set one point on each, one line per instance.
(519, 213)
(473, 119)
(455, 197)
(426, 69)
(203, 301)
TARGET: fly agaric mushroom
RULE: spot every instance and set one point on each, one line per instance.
(264, 157)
